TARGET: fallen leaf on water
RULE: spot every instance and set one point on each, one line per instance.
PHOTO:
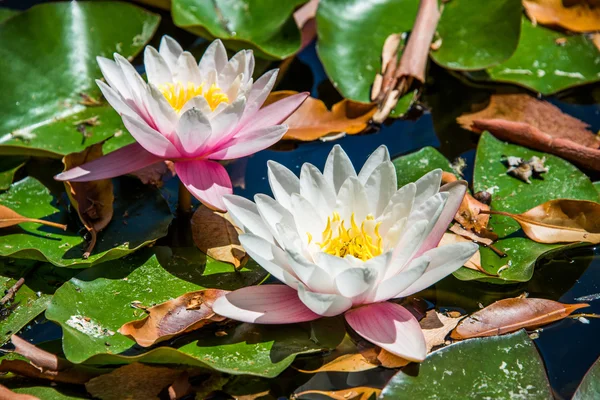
(596, 40)
(186, 313)
(216, 235)
(137, 381)
(7, 394)
(155, 174)
(510, 315)
(344, 363)
(469, 212)
(539, 114)
(436, 327)
(357, 393)
(560, 221)
(93, 200)
(580, 16)
(9, 217)
(313, 120)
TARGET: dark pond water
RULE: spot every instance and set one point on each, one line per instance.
(568, 348)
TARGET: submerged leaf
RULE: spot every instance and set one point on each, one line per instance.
(579, 16)
(186, 313)
(9, 217)
(313, 120)
(217, 236)
(560, 221)
(510, 315)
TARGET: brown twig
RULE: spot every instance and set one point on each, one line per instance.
(10, 294)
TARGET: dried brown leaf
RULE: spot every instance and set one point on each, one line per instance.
(180, 387)
(312, 120)
(469, 212)
(217, 236)
(344, 363)
(582, 16)
(436, 327)
(137, 381)
(186, 313)
(93, 200)
(9, 218)
(357, 393)
(510, 315)
(560, 221)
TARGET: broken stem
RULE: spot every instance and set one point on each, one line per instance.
(48, 223)
(10, 294)
(497, 250)
(91, 245)
(184, 200)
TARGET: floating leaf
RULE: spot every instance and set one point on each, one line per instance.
(10, 218)
(576, 17)
(93, 200)
(356, 393)
(185, 313)
(313, 120)
(345, 363)
(589, 388)
(141, 216)
(266, 26)
(8, 168)
(45, 106)
(484, 368)
(467, 43)
(510, 315)
(541, 65)
(217, 236)
(6, 13)
(560, 221)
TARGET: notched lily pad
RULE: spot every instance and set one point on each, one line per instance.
(141, 216)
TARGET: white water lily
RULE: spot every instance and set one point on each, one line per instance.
(343, 242)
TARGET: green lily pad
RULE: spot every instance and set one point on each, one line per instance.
(411, 167)
(8, 167)
(352, 58)
(41, 280)
(48, 59)
(267, 26)
(542, 65)
(589, 388)
(467, 41)
(45, 392)
(104, 295)
(141, 216)
(500, 367)
(515, 196)
(6, 13)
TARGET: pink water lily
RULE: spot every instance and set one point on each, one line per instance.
(194, 114)
(346, 243)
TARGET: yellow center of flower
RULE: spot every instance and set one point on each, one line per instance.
(358, 242)
(178, 94)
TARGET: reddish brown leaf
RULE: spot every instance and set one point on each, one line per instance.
(510, 315)
(560, 221)
(132, 382)
(216, 235)
(9, 217)
(7, 394)
(580, 16)
(93, 200)
(313, 120)
(186, 313)
(357, 393)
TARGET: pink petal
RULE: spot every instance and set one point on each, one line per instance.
(391, 327)
(206, 180)
(193, 131)
(250, 143)
(150, 139)
(265, 304)
(276, 113)
(120, 162)
(456, 191)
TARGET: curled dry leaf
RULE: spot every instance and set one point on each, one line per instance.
(580, 16)
(436, 327)
(313, 120)
(510, 315)
(469, 213)
(138, 381)
(357, 393)
(215, 234)
(186, 313)
(9, 217)
(93, 200)
(560, 221)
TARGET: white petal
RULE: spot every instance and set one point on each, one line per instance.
(352, 199)
(316, 190)
(214, 58)
(246, 216)
(193, 131)
(187, 70)
(157, 69)
(248, 143)
(116, 100)
(227, 120)
(410, 242)
(270, 257)
(259, 92)
(381, 186)
(162, 114)
(327, 305)
(133, 80)
(379, 156)
(399, 207)
(430, 209)
(114, 76)
(313, 276)
(355, 282)
(427, 186)
(338, 168)
(200, 103)
(232, 70)
(308, 221)
(396, 284)
(170, 51)
(334, 265)
(273, 213)
(283, 183)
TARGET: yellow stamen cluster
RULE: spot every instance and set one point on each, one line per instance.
(353, 241)
(178, 94)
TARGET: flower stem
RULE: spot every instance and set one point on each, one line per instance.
(184, 205)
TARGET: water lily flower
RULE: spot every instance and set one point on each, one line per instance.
(194, 114)
(346, 243)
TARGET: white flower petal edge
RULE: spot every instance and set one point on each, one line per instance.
(346, 243)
